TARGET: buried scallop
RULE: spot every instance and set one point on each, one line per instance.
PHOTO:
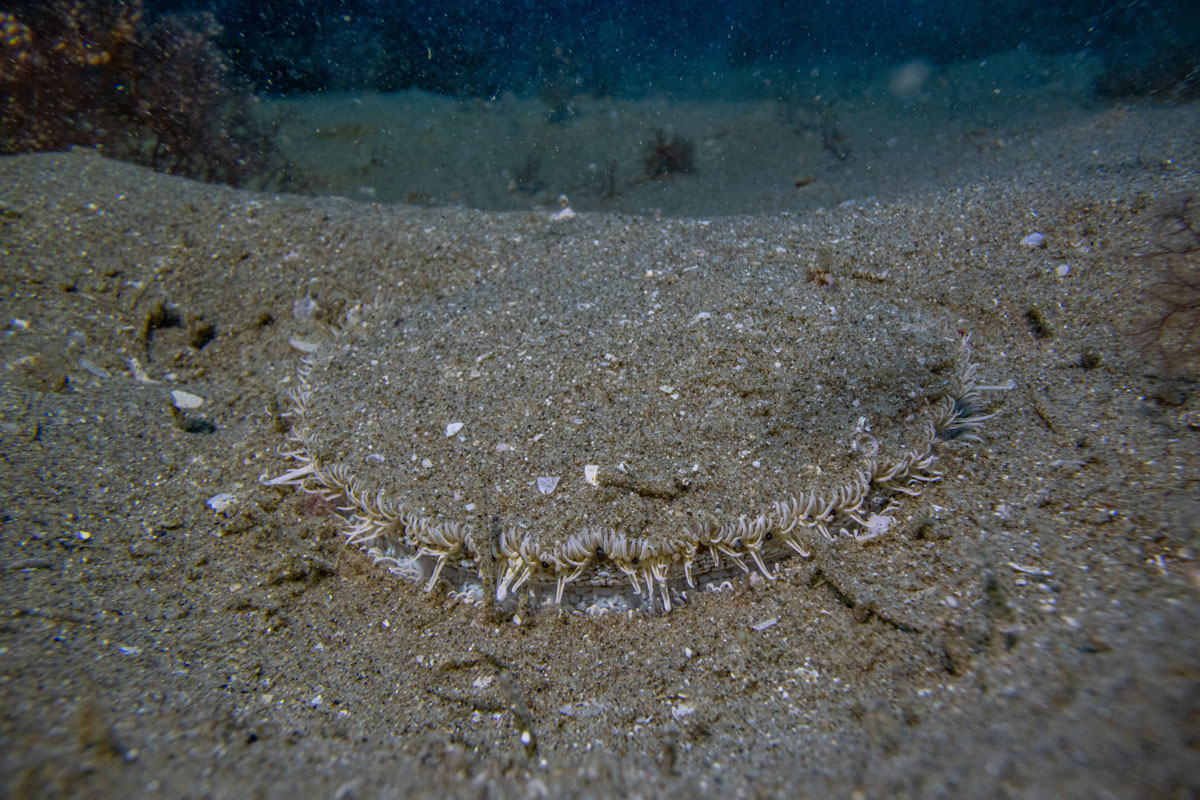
(523, 441)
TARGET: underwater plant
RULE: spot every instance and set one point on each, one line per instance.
(665, 158)
(95, 73)
(1173, 329)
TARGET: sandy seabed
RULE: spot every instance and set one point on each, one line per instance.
(1029, 628)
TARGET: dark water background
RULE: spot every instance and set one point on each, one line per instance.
(688, 49)
(660, 107)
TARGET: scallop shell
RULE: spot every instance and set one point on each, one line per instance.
(770, 384)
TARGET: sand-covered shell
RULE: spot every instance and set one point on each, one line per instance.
(604, 437)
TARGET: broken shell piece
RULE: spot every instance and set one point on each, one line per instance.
(547, 484)
(304, 347)
(454, 427)
(94, 368)
(185, 400)
(591, 473)
(220, 502)
(139, 372)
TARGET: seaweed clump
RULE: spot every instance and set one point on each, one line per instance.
(95, 73)
(1173, 329)
(666, 158)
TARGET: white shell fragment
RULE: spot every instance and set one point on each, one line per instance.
(878, 525)
(682, 710)
(139, 372)
(303, 346)
(220, 502)
(547, 484)
(454, 427)
(1034, 240)
(766, 623)
(185, 400)
(591, 474)
(94, 368)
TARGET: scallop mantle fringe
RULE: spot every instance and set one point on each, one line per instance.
(602, 559)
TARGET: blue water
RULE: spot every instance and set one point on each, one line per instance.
(485, 47)
(644, 107)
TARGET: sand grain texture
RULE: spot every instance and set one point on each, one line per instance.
(1027, 629)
